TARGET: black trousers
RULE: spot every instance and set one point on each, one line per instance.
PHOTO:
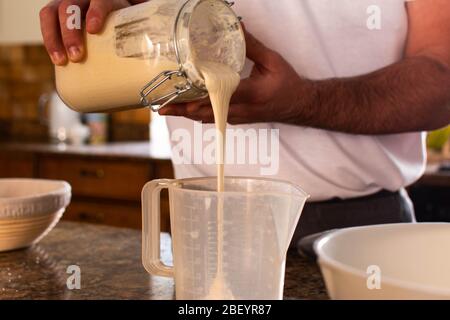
(379, 208)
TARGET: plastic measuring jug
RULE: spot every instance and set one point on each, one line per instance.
(259, 219)
(146, 55)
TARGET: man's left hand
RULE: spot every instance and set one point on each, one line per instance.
(270, 94)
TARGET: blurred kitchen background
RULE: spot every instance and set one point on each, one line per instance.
(107, 158)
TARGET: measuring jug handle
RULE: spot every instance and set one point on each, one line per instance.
(151, 228)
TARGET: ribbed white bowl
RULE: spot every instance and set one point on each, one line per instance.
(394, 261)
(29, 209)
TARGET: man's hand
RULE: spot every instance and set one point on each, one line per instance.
(410, 95)
(270, 94)
(63, 44)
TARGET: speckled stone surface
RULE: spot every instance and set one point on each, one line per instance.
(111, 268)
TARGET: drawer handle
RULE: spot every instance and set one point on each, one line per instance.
(98, 174)
(94, 218)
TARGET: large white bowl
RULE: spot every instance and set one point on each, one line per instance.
(412, 261)
(29, 209)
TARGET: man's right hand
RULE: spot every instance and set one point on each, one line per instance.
(63, 44)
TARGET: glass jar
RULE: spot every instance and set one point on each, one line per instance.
(146, 55)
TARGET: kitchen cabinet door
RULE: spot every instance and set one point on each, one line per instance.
(110, 179)
(118, 214)
(16, 165)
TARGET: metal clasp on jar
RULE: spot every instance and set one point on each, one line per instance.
(156, 105)
(159, 80)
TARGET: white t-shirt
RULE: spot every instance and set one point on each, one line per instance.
(326, 39)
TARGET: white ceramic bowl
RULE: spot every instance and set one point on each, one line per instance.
(29, 209)
(406, 261)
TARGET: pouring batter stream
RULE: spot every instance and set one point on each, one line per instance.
(221, 82)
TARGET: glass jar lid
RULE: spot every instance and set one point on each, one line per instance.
(208, 30)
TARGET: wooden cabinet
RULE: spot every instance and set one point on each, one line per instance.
(111, 179)
(111, 213)
(16, 165)
(105, 212)
(105, 189)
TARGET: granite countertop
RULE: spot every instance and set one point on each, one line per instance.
(155, 150)
(110, 262)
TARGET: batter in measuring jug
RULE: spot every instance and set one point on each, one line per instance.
(221, 82)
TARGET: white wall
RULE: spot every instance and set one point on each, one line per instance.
(19, 21)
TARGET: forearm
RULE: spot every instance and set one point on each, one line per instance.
(411, 95)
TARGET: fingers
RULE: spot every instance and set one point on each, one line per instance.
(203, 113)
(195, 106)
(61, 39)
(238, 113)
(171, 110)
(98, 13)
(259, 53)
(72, 37)
(51, 33)
(235, 121)
(185, 108)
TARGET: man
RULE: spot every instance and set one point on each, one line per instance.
(349, 84)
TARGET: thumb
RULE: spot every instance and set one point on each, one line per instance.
(258, 52)
(245, 92)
